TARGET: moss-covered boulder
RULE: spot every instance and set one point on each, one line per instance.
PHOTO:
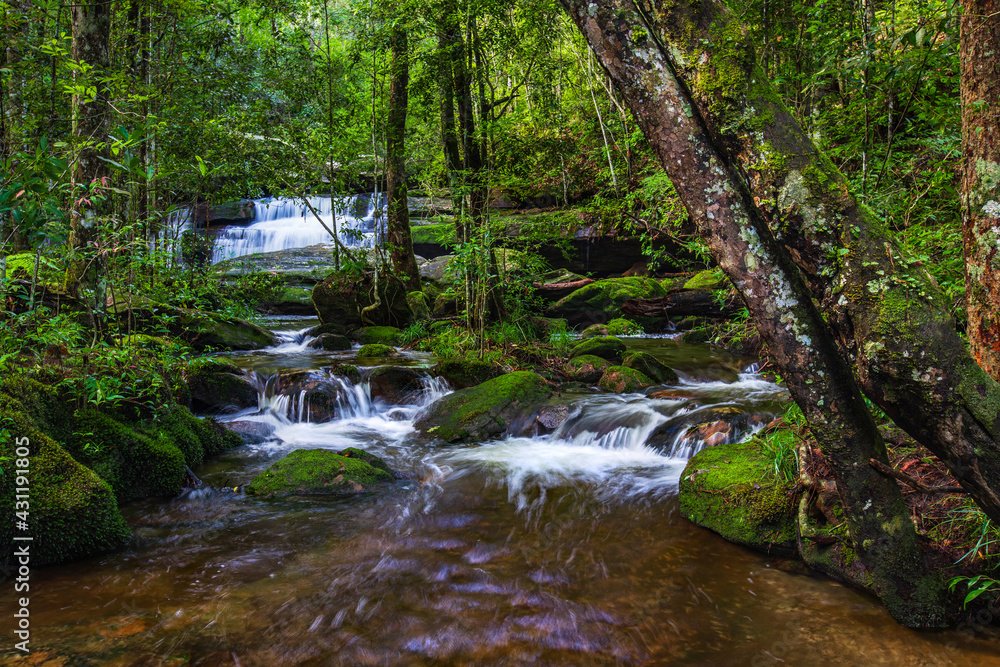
(586, 368)
(219, 386)
(594, 331)
(201, 330)
(733, 490)
(651, 367)
(344, 300)
(605, 347)
(330, 342)
(438, 272)
(621, 380)
(465, 372)
(616, 327)
(710, 279)
(320, 472)
(347, 371)
(601, 301)
(381, 335)
(395, 385)
(198, 439)
(289, 300)
(377, 350)
(420, 305)
(487, 411)
(73, 512)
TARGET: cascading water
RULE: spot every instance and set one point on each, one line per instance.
(282, 223)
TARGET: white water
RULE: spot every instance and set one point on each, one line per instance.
(282, 223)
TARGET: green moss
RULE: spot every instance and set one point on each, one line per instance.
(709, 279)
(441, 233)
(602, 301)
(621, 380)
(605, 347)
(734, 491)
(348, 371)
(586, 368)
(485, 411)
(651, 367)
(381, 335)
(48, 410)
(376, 350)
(621, 326)
(370, 459)
(198, 439)
(319, 472)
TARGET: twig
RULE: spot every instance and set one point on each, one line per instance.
(910, 481)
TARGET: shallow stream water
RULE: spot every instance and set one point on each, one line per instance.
(566, 549)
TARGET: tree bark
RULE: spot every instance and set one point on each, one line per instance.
(398, 222)
(980, 84)
(687, 140)
(448, 46)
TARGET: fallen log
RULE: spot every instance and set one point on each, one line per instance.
(556, 291)
(681, 303)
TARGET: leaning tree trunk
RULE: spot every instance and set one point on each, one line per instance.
(91, 21)
(980, 62)
(821, 381)
(884, 308)
(398, 225)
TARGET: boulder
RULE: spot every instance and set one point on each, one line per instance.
(346, 371)
(290, 300)
(437, 272)
(324, 472)
(344, 301)
(251, 432)
(651, 367)
(219, 387)
(377, 350)
(732, 489)
(605, 347)
(330, 343)
(322, 395)
(201, 330)
(601, 301)
(395, 385)
(621, 380)
(586, 368)
(487, 411)
(465, 372)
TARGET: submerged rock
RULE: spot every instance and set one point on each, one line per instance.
(733, 490)
(586, 368)
(651, 367)
(622, 380)
(312, 472)
(395, 385)
(605, 347)
(487, 411)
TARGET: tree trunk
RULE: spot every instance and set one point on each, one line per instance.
(980, 63)
(448, 46)
(398, 223)
(686, 138)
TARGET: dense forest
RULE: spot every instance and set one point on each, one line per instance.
(756, 240)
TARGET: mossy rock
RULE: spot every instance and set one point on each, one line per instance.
(586, 368)
(348, 371)
(201, 330)
(439, 233)
(710, 279)
(621, 326)
(367, 457)
(594, 331)
(438, 273)
(732, 490)
(377, 350)
(487, 411)
(43, 405)
(605, 347)
(289, 300)
(219, 386)
(465, 372)
(198, 439)
(651, 367)
(330, 342)
(545, 327)
(344, 300)
(395, 385)
(621, 380)
(698, 336)
(320, 472)
(419, 305)
(382, 335)
(74, 514)
(601, 301)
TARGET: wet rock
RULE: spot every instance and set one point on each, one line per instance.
(601, 301)
(622, 380)
(704, 427)
(651, 367)
(309, 472)
(549, 417)
(487, 411)
(219, 387)
(586, 368)
(377, 350)
(330, 343)
(465, 372)
(252, 433)
(321, 395)
(395, 385)
(605, 347)
(346, 371)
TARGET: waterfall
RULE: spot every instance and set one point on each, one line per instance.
(283, 223)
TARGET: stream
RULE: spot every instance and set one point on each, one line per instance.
(560, 549)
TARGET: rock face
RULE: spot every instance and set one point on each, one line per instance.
(219, 387)
(321, 472)
(487, 411)
(651, 367)
(586, 368)
(605, 347)
(342, 301)
(732, 490)
(395, 385)
(621, 380)
(601, 301)
(251, 432)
